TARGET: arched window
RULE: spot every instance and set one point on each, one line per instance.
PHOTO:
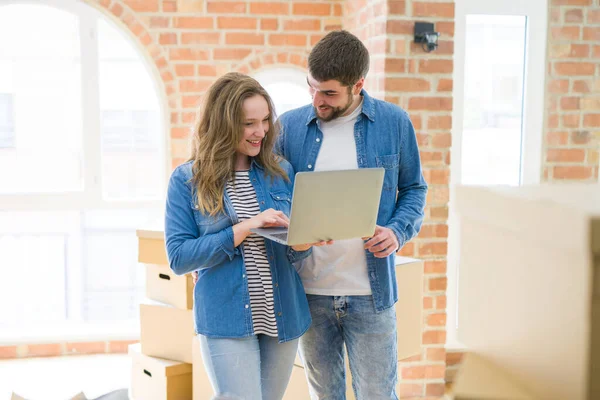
(286, 86)
(83, 163)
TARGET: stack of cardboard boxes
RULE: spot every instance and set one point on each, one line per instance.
(162, 361)
(168, 359)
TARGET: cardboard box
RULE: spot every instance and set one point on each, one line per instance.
(167, 332)
(480, 379)
(159, 379)
(151, 246)
(163, 285)
(529, 284)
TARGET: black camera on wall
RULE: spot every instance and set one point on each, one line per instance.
(426, 35)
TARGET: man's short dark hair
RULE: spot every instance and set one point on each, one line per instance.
(339, 56)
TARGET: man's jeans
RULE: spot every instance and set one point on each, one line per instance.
(252, 368)
(370, 339)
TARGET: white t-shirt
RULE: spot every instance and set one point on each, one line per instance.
(341, 268)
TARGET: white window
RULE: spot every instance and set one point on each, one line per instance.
(499, 79)
(7, 121)
(286, 86)
(87, 168)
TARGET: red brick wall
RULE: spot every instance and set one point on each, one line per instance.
(573, 91)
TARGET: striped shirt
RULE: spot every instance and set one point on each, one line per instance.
(260, 285)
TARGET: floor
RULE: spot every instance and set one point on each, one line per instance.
(61, 378)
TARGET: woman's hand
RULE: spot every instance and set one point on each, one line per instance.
(267, 219)
(304, 247)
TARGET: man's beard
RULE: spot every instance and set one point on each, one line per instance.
(337, 112)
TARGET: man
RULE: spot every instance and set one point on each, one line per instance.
(351, 284)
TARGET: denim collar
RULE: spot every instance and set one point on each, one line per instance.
(368, 108)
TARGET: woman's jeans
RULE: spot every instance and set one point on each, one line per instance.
(253, 368)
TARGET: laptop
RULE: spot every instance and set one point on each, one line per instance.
(331, 205)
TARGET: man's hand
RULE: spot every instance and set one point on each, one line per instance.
(383, 243)
(195, 277)
(304, 247)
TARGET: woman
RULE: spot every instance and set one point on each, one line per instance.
(249, 303)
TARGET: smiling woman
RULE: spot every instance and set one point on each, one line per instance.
(87, 166)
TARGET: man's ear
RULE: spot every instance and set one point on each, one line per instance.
(358, 86)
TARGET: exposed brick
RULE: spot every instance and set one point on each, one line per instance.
(311, 9)
(236, 23)
(226, 7)
(454, 357)
(574, 15)
(167, 38)
(436, 266)
(565, 155)
(591, 120)
(287, 40)
(592, 34)
(187, 54)
(443, 10)
(270, 8)
(407, 84)
(397, 7)
(302, 25)
(434, 337)
(269, 24)
(142, 5)
(245, 39)
(574, 68)
(44, 350)
(436, 319)
(571, 2)
(410, 390)
(572, 172)
(423, 372)
(436, 284)
(565, 33)
(430, 103)
(86, 348)
(231, 54)
(8, 352)
(435, 389)
(194, 23)
(200, 38)
(436, 66)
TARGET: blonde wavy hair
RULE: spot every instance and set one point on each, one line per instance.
(218, 131)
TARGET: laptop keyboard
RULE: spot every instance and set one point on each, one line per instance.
(281, 236)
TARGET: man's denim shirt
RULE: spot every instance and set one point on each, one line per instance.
(384, 137)
(198, 242)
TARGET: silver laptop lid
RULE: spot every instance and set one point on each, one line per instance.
(335, 205)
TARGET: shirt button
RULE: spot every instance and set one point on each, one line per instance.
(309, 166)
(247, 306)
(279, 314)
(318, 140)
(243, 275)
(262, 202)
(276, 284)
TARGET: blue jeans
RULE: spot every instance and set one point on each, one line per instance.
(256, 367)
(370, 340)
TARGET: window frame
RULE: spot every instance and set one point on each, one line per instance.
(90, 197)
(532, 126)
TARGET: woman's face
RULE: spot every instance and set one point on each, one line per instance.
(256, 125)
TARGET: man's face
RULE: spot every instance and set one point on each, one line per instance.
(330, 98)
